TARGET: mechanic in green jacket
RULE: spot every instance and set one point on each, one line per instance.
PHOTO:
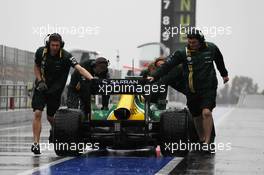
(78, 87)
(158, 99)
(146, 72)
(52, 65)
(198, 59)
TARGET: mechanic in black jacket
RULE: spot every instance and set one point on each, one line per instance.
(79, 88)
(198, 59)
(52, 65)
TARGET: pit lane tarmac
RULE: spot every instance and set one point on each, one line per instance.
(243, 128)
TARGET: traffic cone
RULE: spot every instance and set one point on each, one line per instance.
(158, 154)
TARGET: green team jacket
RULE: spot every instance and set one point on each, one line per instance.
(198, 67)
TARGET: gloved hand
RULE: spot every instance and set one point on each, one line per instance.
(41, 86)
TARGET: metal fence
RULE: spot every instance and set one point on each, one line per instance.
(14, 97)
(16, 65)
(16, 73)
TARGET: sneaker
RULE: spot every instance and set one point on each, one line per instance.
(35, 148)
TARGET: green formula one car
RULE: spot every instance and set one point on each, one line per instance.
(129, 124)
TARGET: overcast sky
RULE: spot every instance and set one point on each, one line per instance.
(125, 24)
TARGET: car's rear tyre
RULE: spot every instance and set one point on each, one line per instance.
(174, 133)
(66, 132)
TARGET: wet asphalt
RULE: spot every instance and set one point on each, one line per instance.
(240, 143)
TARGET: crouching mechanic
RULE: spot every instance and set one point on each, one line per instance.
(78, 89)
(197, 59)
(52, 65)
(174, 78)
(159, 98)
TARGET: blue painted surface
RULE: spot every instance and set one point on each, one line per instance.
(108, 165)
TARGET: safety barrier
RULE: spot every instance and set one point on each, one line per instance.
(13, 96)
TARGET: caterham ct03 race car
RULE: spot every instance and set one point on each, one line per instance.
(129, 124)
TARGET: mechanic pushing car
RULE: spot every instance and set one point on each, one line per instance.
(52, 65)
(152, 67)
(160, 98)
(197, 59)
(169, 80)
(77, 89)
(146, 72)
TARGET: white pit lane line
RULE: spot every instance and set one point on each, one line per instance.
(170, 166)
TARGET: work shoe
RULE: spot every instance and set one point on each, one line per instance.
(35, 148)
